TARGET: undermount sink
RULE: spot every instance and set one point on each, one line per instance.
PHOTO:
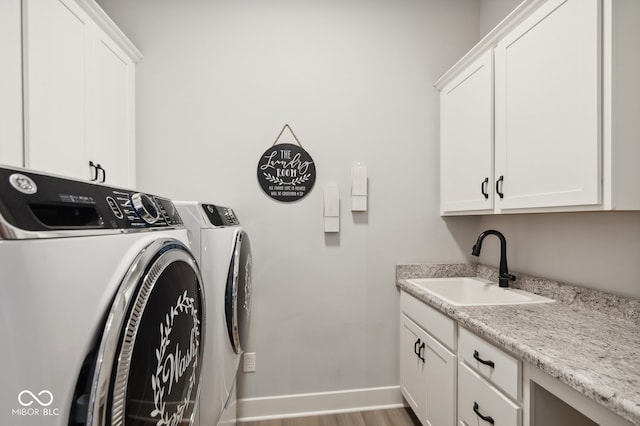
(465, 291)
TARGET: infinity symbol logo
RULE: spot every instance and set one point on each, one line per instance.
(21, 397)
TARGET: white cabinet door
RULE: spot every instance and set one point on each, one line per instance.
(56, 37)
(427, 376)
(11, 83)
(413, 374)
(547, 108)
(466, 139)
(79, 94)
(441, 384)
(111, 131)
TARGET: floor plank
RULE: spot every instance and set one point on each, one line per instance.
(391, 417)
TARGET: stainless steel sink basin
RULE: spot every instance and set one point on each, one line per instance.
(465, 291)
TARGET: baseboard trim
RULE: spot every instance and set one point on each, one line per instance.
(312, 404)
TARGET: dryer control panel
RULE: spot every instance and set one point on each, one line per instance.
(35, 205)
(220, 216)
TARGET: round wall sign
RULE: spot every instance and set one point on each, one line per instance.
(286, 172)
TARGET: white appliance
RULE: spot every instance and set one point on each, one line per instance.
(223, 252)
(101, 306)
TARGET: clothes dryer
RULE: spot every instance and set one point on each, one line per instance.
(101, 306)
(223, 251)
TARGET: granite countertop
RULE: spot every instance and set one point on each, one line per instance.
(587, 339)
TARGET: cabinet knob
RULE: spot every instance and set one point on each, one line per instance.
(415, 347)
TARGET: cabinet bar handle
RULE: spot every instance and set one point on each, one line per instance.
(483, 188)
(499, 184)
(93, 168)
(415, 347)
(420, 351)
(476, 410)
(476, 355)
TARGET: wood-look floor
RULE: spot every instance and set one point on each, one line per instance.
(391, 417)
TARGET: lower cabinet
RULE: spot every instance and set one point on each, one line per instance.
(427, 372)
(450, 376)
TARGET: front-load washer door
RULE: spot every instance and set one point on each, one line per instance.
(147, 369)
(238, 292)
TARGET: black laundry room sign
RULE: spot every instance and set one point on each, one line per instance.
(286, 172)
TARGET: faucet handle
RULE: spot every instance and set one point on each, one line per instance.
(508, 276)
(504, 278)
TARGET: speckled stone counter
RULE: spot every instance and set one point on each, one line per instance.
(587, 339)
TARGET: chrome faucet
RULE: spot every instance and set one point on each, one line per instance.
(504, 275)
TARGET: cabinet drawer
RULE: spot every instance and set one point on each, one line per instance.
(506, 371)
(478, 398)
(439, 325)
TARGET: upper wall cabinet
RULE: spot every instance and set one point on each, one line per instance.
(79, 92)
(10, 84)
(111, 125)
(466, 131)
(547, 104)
(565, 104)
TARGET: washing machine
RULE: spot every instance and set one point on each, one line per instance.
(102, 306)
(223, 251)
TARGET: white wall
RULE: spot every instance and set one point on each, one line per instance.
(494, 11)
(354, 80)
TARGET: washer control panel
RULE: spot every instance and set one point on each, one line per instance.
(139, 210)
(220, 216)
(35, 205)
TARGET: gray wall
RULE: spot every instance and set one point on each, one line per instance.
(596, 250)
(354, 80)
(494, 11)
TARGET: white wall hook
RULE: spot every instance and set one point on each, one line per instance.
(331, 208)
(359, 188)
